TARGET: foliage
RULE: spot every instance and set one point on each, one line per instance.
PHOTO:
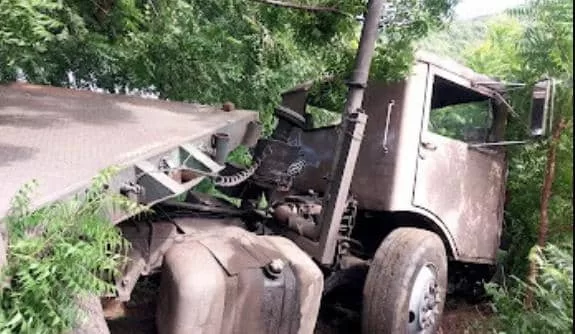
(27, 29)
(455, 121)
(500, 42)
(512, 52)
(531, 43)
(547, 44)
(323, 117)
(553, 312)
(456, 36)
(58, 253)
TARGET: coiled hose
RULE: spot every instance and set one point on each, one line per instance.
(239, 177)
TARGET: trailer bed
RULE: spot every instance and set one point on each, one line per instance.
(62, 137)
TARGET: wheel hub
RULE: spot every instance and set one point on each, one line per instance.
(428, 309)
(424, 302)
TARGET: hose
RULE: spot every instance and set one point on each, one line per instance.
(235, 179)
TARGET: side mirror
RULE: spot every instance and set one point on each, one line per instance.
(542, 108)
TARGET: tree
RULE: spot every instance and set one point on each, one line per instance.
(456, 37)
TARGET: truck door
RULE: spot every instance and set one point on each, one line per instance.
(458, 183)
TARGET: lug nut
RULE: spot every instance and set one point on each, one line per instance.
(275, 268)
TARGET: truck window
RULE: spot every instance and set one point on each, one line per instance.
(468, 122)
(460, 113)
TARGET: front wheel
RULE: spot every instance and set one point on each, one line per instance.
(406, 284)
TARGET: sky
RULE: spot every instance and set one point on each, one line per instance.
(467, 9)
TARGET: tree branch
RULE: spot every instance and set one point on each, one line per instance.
(546, 191)
(291, 5)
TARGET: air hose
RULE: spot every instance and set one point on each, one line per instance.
(235, 179)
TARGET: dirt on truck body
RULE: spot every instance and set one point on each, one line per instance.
(400, 199)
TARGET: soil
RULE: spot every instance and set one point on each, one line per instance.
(461, 317)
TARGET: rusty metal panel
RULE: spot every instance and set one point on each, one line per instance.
(374, 175)
(462, 187)
(394, 176)
(318, 147)
(63, 137)
(295, 99)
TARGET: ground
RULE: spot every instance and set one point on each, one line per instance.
(463, 318)
(137, 316)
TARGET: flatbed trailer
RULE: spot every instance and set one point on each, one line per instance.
(62, 138)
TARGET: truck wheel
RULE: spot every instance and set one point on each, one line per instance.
(406, 284)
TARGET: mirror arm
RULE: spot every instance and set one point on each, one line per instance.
(504, 101)
(500, 143)
(511, 110)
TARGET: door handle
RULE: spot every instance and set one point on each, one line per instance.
(387, 120)
(429, 146)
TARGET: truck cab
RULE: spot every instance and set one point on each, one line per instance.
(425, 167)
(423, 153)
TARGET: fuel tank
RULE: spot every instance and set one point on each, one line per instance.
(223, 279)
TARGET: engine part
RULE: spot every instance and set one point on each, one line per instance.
(220, 144)
(239, 177)
(223, 279)
(277, 164)
(176, 206)
(352, 271)
(287, 214)
(149, 241)
(299, 213)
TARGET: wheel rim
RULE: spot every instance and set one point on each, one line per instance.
(424, 302)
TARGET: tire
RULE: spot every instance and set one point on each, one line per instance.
(408, 263)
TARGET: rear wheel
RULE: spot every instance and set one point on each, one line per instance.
(406, 284)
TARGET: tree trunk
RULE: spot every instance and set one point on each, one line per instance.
(546, 191)
(91, 317)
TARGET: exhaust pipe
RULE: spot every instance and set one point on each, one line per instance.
(349, 140)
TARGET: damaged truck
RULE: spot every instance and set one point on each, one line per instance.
(406, 187)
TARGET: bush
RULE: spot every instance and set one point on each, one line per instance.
(58, 253)
(553, 307)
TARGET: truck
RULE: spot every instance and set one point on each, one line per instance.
(401, 193)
